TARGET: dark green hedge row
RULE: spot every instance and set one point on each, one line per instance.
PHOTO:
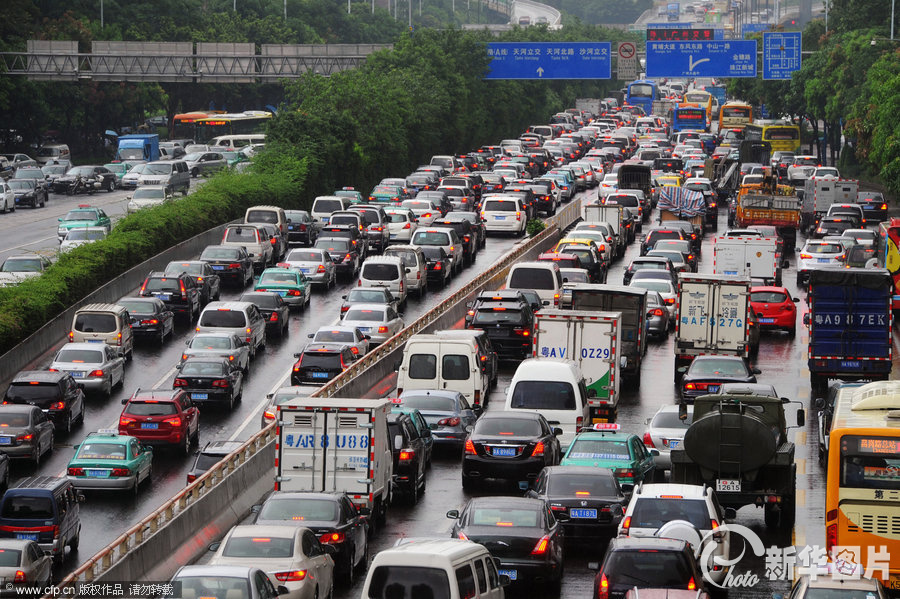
(426, 97)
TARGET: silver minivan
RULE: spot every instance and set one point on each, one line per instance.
(241, 318)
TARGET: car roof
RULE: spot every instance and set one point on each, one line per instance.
(637, 543)
(43, 376)
(154, 394)
(664, 490)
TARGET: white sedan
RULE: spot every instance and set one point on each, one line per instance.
(378, 321)
(402, 223)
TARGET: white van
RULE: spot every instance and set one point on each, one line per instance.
(323, 206)
(553, 388)
(238, 141)
(47, 154)
(445, 568)
(241, 318)
(449, 364)
(503, 214)
(542, 277)
(387, 272)
(267, 215)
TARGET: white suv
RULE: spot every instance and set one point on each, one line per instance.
(503, 214)
(687, 512)
(441, 237)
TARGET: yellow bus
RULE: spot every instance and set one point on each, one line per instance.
(240, 123)
(862, 496)
(701, 98)
(736, 115)
(783, 136)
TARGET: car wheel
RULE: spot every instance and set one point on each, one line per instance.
(194, 173)
(110, 186)
(792, 332)
(469, 483)
(73, 544)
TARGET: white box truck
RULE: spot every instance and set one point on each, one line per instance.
(593, 340)
(711, 318)
(819, 193)
(607, 213)
(747, 256)
(336, 444)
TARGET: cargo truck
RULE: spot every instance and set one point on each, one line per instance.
(746, 256)
(611, 214)
(138, 147)
(592, 105)
(849, 322)
(593, 340)
(819, 193)
(780, 210)
(336, 444)
(632, 303)
(738, 445)
(712, 317)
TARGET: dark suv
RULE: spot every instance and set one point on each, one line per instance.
(645, 562)
(318, 363)
(56, 393)
(178, 292)
(409, 455)
(658, 233)
(488, 297)
(509, 326)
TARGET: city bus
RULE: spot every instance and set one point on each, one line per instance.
(688, 117)
(184, 126)
(783, 136)
(703, 99)
(735, 114)
(889, 257)
(862, 491)
(251, 121)
(643, 93)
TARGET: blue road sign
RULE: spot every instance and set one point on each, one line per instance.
(782, 54)
(726, 58)
(754, 27)
(549, 60)
(669, 25)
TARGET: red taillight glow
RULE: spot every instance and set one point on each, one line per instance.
(648, 440)
(332, 537)
(626, 523)
(454, 421)
(291, 576)
(538, 449)
(407, 455)
(603, 588)
(542, 546)
(173, 422)
(75, 471)
(470, 447)
(179, 383)
(220, 383)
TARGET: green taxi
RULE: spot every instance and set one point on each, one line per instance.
(291, 284)
(387, 194)
(84, 215)
(356, 197)
(106, 460)
(606, 446)
(118, 169)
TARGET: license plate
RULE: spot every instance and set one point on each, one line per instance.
(164, 296)
(823, 260)
(499, 217)
(674, 443)
(713, 388)
(582, 513)
(766, 320)
(504, 451)
(365, 329)
(305, 270)
(98, 473)
(218, 267)
(5, 440)
(513, 574)
(199, 395)
(282, 293)
(95, 340)
(318, 375)
(728, 485)
(77, 375)
(149, 426)
(290, 227)
(393, 235)
(324, 221)
(730, 272)
(850, 364)
(27, 536)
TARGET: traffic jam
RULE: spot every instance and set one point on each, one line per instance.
(707, 247)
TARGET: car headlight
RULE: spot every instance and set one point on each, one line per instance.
(61, 231)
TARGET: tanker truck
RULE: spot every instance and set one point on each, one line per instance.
(738, 445)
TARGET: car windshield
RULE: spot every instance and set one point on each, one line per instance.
(191, 268)
(241, 235)
(718, 367)
(335, 336)
(89, 215)
(157, 169)
(822, 248)
(671, 420)
(653, 285)
(543, 395)
(397, 217)
(582, 485)
(167, 285)
(210, 342)
(225, 318)
(489, 316)
(652, 512)
(215, 586)
(429, 402)
(198, 368)
(513, 427)
(22, 184)
(532, 278)
(321, 359)
(327, 206)
(431, 238)
(366, 314)
(599, 449)
(220, 254)
(391, 582)
(278, 277)
(102, 451)
(149, 193)
(374, 296)
(14, 420)
(22, 265)
(150, 408)
(304, 256)
(665, 568)
(767, 297)
(192, 157)
(263, 299)
(299, 510)
(80, 356)
(505, 517)
(333, 245)
(136, 307)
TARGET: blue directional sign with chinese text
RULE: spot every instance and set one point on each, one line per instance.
(754, 28)
(549, 60)
(726, 58)
(782, 54)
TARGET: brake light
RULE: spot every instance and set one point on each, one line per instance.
(542, 546)
(626, 523)
(518, 216)
(20, 576)
(714, 524)
(332, 537)
(407, 226)
(220, 383)
(234, 265)
(648, 440)
(291, 576)
(121, 472)
(75, 471)
(470, 447)
(538, 449)
(692, 586)
(669, 301)
(806, 256)
(603, 588)
(71, 336)
(174, 422)
(382, 329)
(453, 421)
(28, 437)
(655, 312)
(274, 317)
(407, 455)
(321, 268)
(125, 421)
(183, 290)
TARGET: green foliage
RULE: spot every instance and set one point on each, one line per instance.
(603, 11)
(534, 226)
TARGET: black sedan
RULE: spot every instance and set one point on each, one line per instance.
(590, 497)
(706, 374)
(210, 381)
(509, 445)
(301, 227)
(519, 531)
(335, 520)
(203, 275)
(273, 309)
(150, 317)
(28, 193)
(437, 264)
(232, 263)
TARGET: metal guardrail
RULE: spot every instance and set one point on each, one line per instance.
(131, 539)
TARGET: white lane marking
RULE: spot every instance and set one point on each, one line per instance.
(16, 247)
(165, 377)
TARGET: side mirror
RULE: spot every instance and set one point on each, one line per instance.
(297, 355)
(730, 513)
(504, 580)
(545, 303)
(557, 431)
(592, 392)
(682, 369)
(214, 546)
(795, 300)
(531, 494)
(146, 449)
(682, 411)
(453, 514)
(397, 365)
(343, 297)
(311, 335)
(124, 401)
(255, 509)
(367, 337)
(398, 442)
(628, 488)
(805, 318)
(654, 452)
(801, 417)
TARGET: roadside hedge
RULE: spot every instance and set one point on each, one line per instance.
(426, 97)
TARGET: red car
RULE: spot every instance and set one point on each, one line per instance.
(775, 307)
(162, 417)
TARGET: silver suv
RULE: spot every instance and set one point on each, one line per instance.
(174, 175)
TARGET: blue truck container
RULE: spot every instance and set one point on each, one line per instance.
(138, 147)
(849, 324)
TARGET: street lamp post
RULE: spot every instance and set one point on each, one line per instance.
(101, 19)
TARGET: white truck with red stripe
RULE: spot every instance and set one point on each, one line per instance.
(328, 444)
(748, 256)
(711, 318)
(593, 340)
